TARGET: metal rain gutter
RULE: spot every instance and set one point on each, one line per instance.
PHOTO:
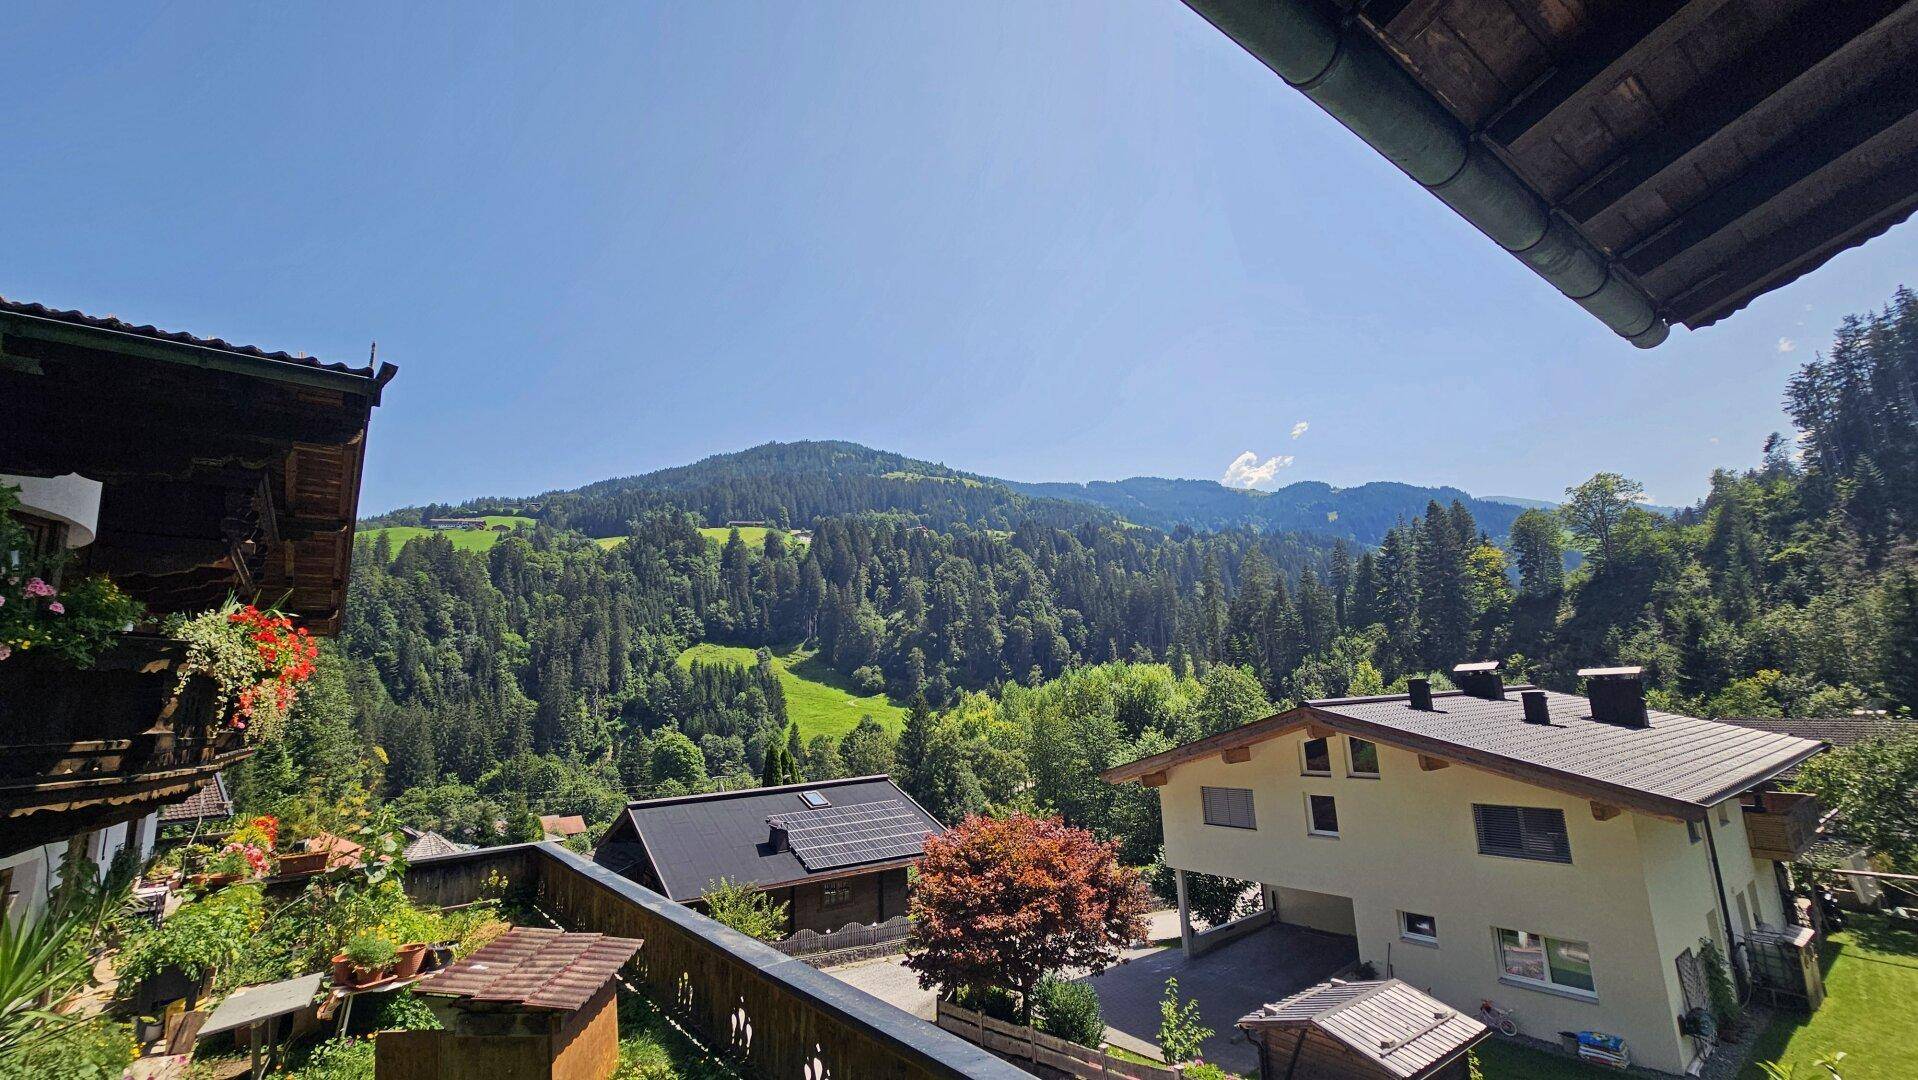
(1348, 75)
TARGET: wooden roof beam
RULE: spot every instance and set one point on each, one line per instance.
(1860, 213)
(1773, 63)
(1611, 37)
(1873, 112)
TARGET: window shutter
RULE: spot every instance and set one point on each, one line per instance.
(1230, 807)
(1522, 832)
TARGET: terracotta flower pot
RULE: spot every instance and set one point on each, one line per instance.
(342, 970)
(360, 977)
(411, 955)
(301, 863)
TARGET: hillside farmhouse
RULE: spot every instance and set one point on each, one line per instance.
(1561, 856)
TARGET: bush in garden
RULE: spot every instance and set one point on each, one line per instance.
(1069, 1010)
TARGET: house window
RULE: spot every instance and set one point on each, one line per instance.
(1558, 963)
(1362, 758)
(1323, 813)
(835, 894)
(1416, 927)
(1318, 757)
(1522, 832)
(1228, 806)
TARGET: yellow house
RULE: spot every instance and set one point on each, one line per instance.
(1557, 855)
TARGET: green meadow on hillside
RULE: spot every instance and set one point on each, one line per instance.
(463, 539)
(820, 700)
(753, 536)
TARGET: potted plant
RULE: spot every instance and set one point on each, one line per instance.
(256, 659)
(222, 869)
(415, 930)
(371, 958)
(73, 621)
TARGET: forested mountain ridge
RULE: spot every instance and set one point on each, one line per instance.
(1361, 514)
(796, 483)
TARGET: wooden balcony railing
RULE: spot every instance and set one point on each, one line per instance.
(1781, 824)
(767, 1014)
(85, 748)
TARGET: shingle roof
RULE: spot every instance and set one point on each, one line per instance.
(427, 844)
(209, 802)
(695, 840)
(1677, 766)
(110, 323)
(1836, 730)
(1401, 1030)
(534, 967)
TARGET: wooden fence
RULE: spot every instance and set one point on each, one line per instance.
(850, 936)
(767, 1014)
(1036, 1046)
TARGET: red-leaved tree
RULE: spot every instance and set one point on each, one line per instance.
(1003, 902)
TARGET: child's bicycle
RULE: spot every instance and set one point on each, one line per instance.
(1503, 1021)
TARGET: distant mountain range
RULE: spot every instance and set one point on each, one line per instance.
(800, 481)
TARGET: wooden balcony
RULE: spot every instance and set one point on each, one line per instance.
(85, 749)
(1781, 824)
(766, 1014)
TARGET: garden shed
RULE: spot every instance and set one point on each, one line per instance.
(1374, 1030)
(536, 1004)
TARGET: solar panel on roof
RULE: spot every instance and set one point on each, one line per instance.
(847, 835)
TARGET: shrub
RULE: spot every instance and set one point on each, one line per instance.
(403, 1011)
(1180, 1032)
(339, 1059)
(747, 910)
(1719, 984)
(1069, 1010)
(1207, 1072)
(202, 936)
(994, 1001)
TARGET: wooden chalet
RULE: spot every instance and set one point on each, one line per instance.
(214, 470)
(1656, 161)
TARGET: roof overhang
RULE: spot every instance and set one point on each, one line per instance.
(1657, 161)
(1313, 719)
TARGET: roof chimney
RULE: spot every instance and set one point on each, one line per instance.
(1617, 695)
(1421, 690)
(1480, 680)
(777, 836)
(1537, 710)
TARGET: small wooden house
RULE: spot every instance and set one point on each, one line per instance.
(537, 1004)
(1378, 1030)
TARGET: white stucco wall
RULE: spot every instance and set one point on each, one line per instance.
(1637, 891)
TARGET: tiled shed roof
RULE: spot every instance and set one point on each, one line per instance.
(562, 825)
(210, 802)
(1401, 1030)
(534, 967)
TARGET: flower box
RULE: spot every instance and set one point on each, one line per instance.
(302, 863)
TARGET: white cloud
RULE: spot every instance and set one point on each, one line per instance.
(1298, 429)
(1786, 344)
(1247, 471)
(1714, 440)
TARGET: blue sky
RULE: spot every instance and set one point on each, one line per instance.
(1045, 241)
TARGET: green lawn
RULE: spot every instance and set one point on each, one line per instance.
(818, 699)
(1870, 1011)
(753, 536)
(463, 539)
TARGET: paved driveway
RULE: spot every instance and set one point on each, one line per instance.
(1228, 982)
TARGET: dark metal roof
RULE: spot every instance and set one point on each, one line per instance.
(208, 803)
(1399, 1029)
(694, 840)
(534, 967)
(1678, 758)
(148, 330)
(1704, 152)
(1677, 766)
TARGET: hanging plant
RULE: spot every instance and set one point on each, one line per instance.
(256, 659)
(75, 622)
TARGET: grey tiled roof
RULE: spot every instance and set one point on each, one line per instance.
(1396, 1027)
(429, 843)
(1836, 730)
(1677, 759)
(694, 840)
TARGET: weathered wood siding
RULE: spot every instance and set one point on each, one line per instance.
(770, 1015)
